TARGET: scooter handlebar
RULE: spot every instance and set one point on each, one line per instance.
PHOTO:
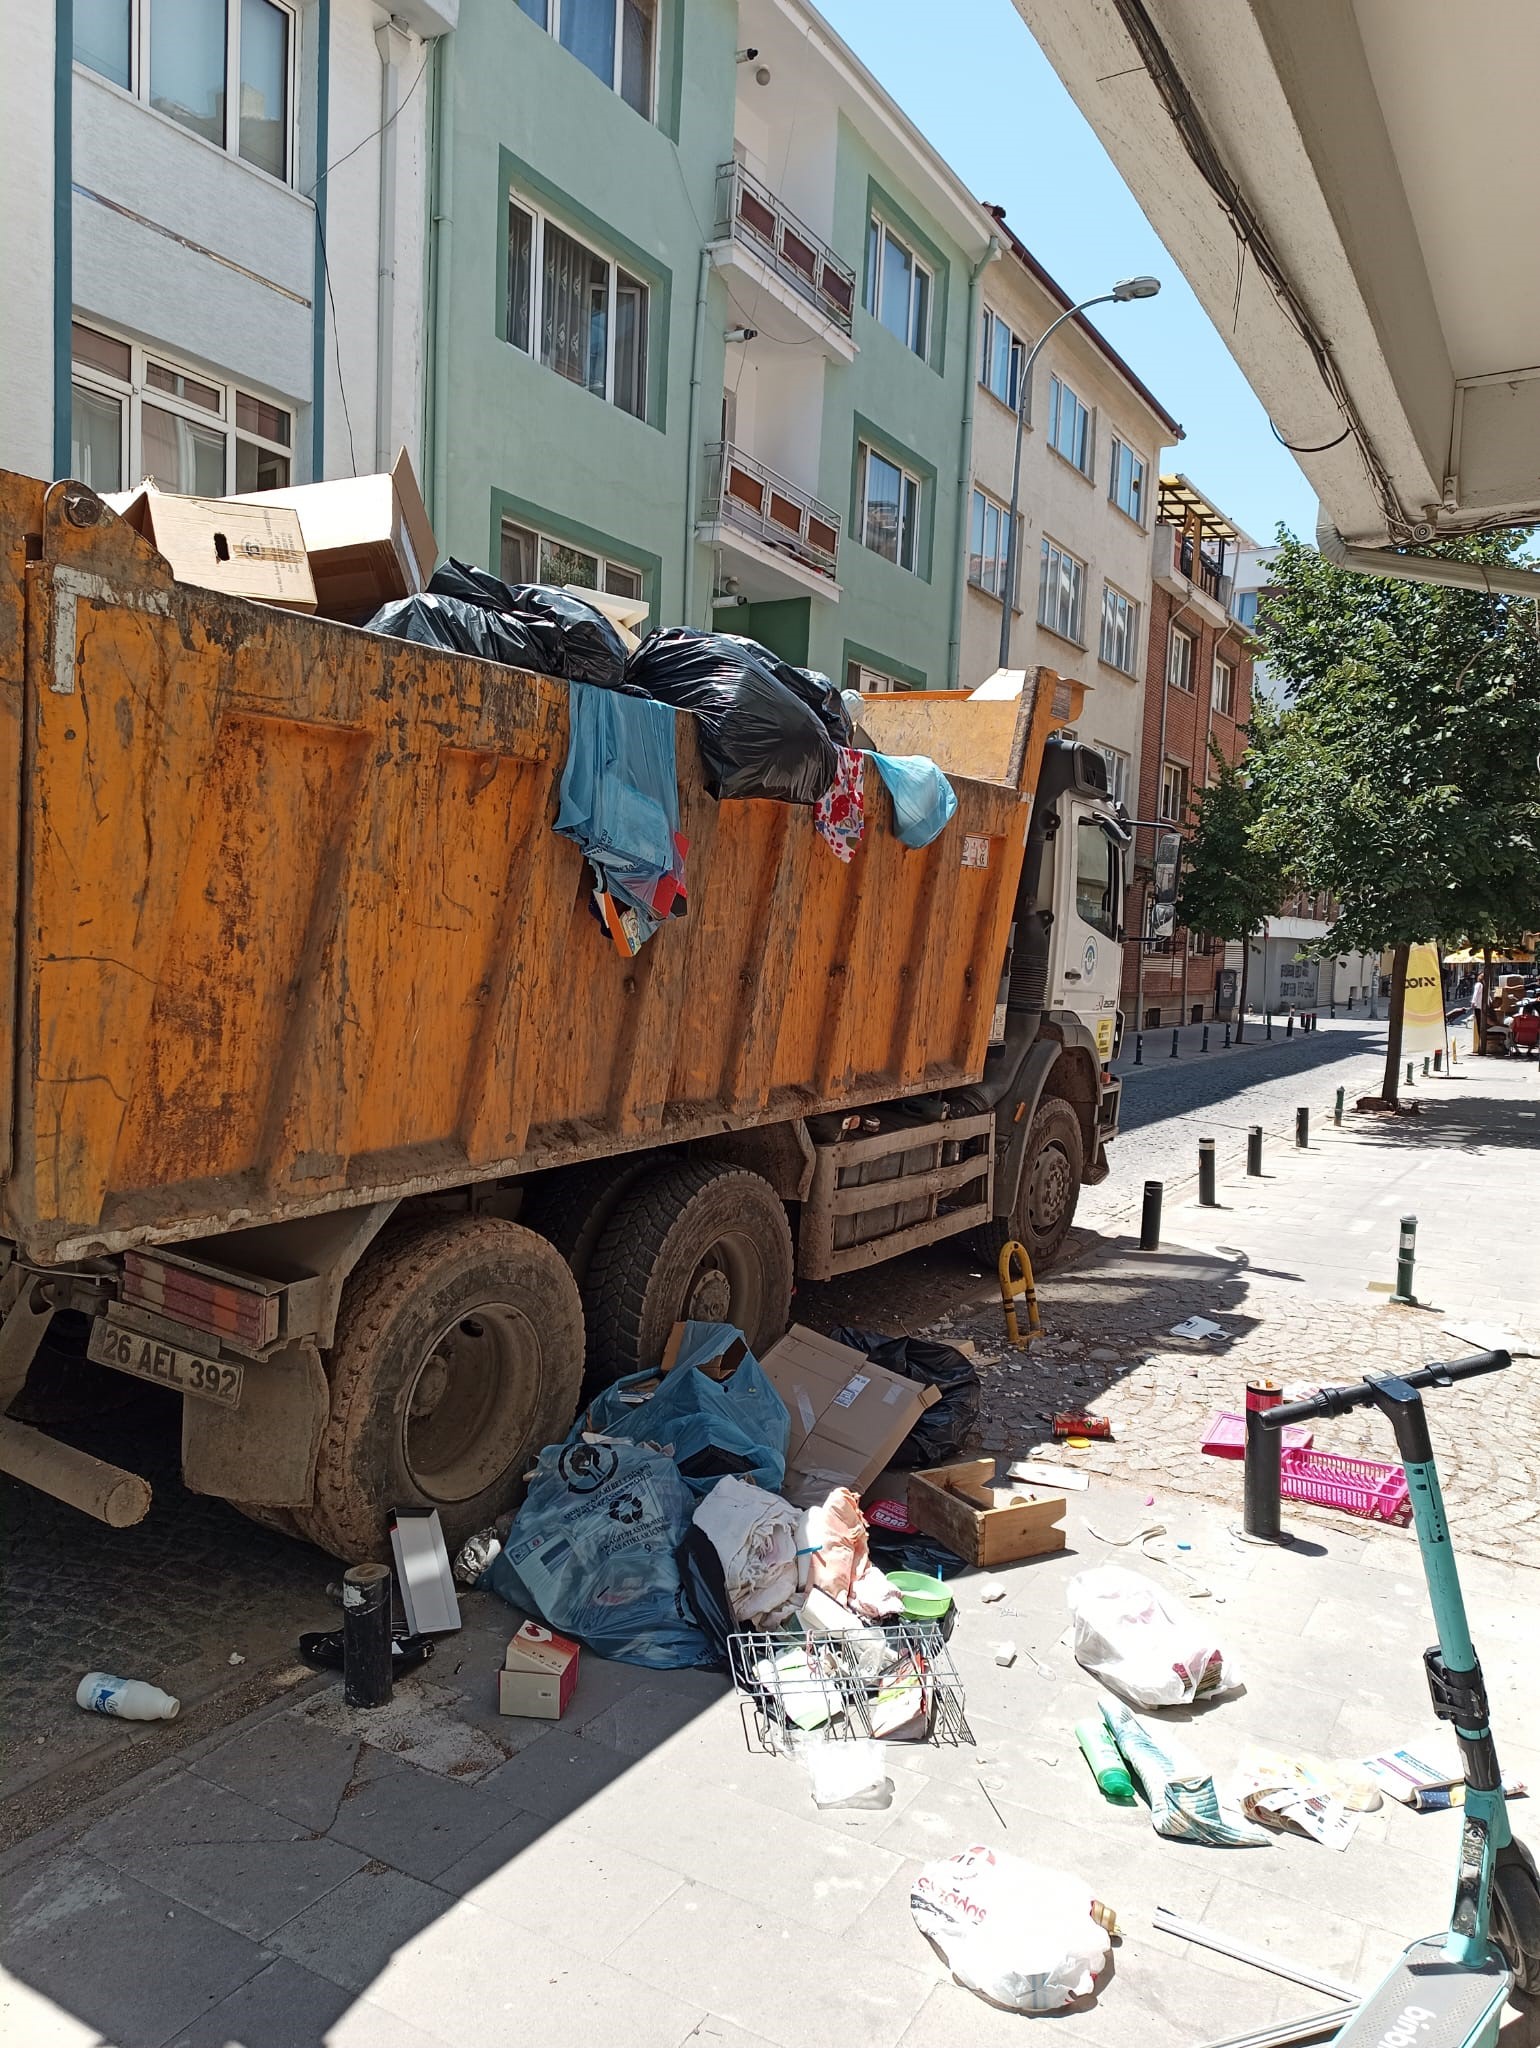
(1338, 1400)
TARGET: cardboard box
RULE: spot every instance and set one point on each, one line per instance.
(721, 1368)
(424, 1579)
(220, 544)
(368, 538)
(985, 1524)
(538, 1675)
(848, 1416)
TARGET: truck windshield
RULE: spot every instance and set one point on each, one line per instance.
(1097, 873)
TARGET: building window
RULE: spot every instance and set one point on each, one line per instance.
(530, 557)
(1224, 687)
(1243, 608)
(1173, 792)
(898, 287)
(1069, 425)
(1000, 360)
(614, 39)
(1128, 480)
(1061, 597)
(1117, 774)
(223, 68)
(890, 509)
(1179, 650)
(988, 546)
(583, 315)
(1120, 630)
(873, 682)
(136, 413)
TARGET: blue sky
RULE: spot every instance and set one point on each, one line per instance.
(970, 77)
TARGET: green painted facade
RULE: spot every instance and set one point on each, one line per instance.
(522, 443)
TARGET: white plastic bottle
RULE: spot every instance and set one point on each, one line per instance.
(127, 1699)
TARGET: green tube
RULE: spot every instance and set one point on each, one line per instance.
(1106, 1761)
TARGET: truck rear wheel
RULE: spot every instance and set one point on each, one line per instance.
(1050, 1188)
(570, 1207)
(695, 1242)
(458, 1355)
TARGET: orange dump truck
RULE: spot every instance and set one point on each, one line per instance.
(330, 1106)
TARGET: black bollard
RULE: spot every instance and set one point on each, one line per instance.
(1227, 1038)
(1138, 1048)
(366, 1649)
(1438, 1059)
(1149, 1221)
(1302, 1128)
(1264, 1464)
(1288, 1029)
(1207, 1199)
(1173, 1045)
(1204, 1046)
(1269, 1023)
(1254, 1151)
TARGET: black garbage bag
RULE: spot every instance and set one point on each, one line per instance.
(576, 640)
(705, 1590)
(766, 729)
(434, 621)
(942, 1432)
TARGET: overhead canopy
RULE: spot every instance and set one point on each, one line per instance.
(1352, 188)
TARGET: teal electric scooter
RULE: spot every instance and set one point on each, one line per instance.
(1448, 1990)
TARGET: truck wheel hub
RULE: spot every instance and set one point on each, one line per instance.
(710, 1298)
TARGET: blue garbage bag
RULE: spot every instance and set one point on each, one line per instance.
(712, 1427)
(620, 800)
(591, 1552)
(924, 802)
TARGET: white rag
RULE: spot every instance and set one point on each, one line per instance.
(755, 1535)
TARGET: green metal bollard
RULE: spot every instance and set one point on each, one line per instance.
(1425, 1066)
(1410, 1082)
(1406, 1258)
(1336, 1115)
(1302, 1129)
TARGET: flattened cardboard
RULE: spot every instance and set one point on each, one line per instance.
(368, 537)
(539, 1673)
(219, 544)
(983, 1523)
(848, 1416)
(721, 1368)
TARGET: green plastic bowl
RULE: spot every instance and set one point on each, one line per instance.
(925, 1598)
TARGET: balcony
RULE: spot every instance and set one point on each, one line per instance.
(777, 541)
(1181, 566)
(812, 290)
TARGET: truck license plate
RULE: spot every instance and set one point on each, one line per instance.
(147, 1358)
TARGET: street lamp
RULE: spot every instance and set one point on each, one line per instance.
(1125, 288)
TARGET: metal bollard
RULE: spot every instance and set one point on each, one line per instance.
(1410, 1082)
(1269, 1023)
(1262, 1516)
(1207, 1199)
(1288, 1029)
(1227, 1038)
(366, 1652)
(1453, 1054)
(1333, 1010)
(1438, 1059)
(1254, 1151)
(1406, 1259)
(1149, 1221)
(1174, 1053)
(1204, 1046)
(1336, 1115)
(1302, 1129)
(1425, 1066)
(1138, 1048)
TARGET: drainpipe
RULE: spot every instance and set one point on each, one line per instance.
(692, 452)
(393, 45)
(323, 66)
(63, 230)
(965, 453)
(1503, 577)
(437, 434)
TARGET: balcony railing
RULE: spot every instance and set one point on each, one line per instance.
(1198, 568)
(750, 212)
(759, 502)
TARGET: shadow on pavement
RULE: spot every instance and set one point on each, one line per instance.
(1206, 1082)
(1472, 1124)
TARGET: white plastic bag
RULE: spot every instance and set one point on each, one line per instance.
(1143, 1643)
(848, 1773)
(1021, 1936)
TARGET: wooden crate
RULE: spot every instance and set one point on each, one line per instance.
(985, 1524)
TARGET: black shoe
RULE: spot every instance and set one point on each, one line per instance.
(323, 1650)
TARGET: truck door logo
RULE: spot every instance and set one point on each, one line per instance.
(1090, 958)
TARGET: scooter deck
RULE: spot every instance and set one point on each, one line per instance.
(1429, 2002)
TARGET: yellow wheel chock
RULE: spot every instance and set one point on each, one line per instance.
(1016, 1278)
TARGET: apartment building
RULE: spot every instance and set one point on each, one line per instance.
(1197, 694)
(1283, 976)
(213, 268)
(1090, 454)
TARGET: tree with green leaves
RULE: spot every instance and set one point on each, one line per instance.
(1402, 774)
(1233, 878)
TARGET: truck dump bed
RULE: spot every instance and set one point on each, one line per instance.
(288, 928)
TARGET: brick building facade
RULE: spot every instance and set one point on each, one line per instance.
(1197, 688)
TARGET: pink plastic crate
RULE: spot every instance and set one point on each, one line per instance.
(1226, 1436)
(1356, 1486)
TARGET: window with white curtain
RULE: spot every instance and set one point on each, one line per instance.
(614, 39)
(1179, 652)
(1224, 687)
(224, 69)
(890, 509)
(1069, 425)
(989, 545)
(898, 286)
(582, 315)
(1117, 774)
(527, 556)
(1127, 486)
(1061, 595)
(1120, 630)
(1000, 359)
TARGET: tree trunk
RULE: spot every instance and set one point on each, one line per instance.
(1398, 965)
(1240, 1027)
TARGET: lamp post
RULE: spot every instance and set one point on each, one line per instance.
(1125, 288)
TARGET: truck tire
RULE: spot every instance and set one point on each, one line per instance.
(570, 1207)
(695, 1241)
(458, 1355)
(1050, 1188)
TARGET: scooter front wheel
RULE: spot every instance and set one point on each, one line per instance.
(1516, 1916)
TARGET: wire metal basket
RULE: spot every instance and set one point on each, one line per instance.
(894, 1680)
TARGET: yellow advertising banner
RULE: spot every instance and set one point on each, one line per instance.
(1422, 1019)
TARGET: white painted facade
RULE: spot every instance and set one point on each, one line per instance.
(1070, 507)
(205, 264)
(1253, 574)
